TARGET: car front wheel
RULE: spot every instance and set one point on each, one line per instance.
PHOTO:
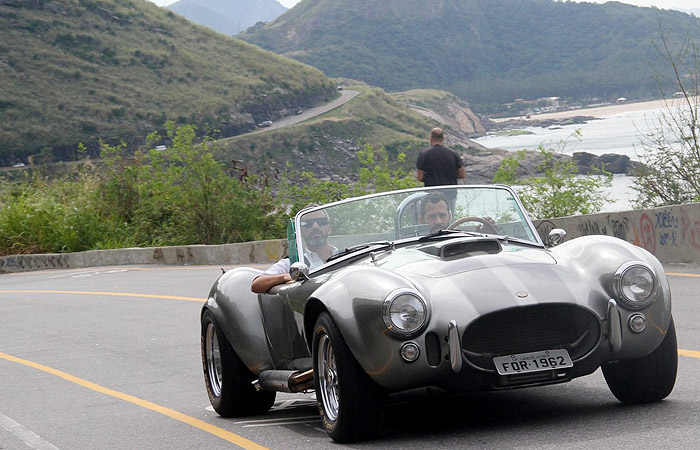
(228, 380)
(351, 404)
(647, 379)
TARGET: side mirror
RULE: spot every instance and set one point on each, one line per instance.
(299, 271)
(555, 237)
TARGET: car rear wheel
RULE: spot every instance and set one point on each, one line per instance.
(647, 379)
(351, 404)
(228, 380)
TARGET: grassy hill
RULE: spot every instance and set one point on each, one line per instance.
(484, 51)
(327, 145)
(80, 71)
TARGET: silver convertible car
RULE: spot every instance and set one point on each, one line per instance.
(450, 288)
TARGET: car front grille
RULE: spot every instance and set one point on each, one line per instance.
(531, 329)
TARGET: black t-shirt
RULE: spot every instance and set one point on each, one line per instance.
(440, 165)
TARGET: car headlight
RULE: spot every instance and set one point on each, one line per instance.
(405, 312)
(635, 284)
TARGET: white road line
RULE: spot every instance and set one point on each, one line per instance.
(278, 421)
(26, 435)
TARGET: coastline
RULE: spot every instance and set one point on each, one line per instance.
(600, 111)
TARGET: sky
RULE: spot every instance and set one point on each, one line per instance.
(663, 4)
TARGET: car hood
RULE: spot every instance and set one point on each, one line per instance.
(455, 256)
(516, 275)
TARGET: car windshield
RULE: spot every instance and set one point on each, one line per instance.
(379, 219)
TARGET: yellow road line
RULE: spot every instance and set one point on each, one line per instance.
(202, 425)
(116, 294)
(690, 275)
(689, 353)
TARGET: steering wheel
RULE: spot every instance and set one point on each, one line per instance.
(486, 226)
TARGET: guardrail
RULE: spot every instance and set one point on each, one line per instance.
(671, 233)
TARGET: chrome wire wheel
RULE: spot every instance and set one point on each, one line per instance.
(350, 403)
(227, 378)
(213, 358)
(328, 378)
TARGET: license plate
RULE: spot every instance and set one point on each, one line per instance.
(532, 362)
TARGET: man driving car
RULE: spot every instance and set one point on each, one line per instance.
(434, 212)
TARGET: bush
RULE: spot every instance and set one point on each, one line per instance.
(560, 191)
(177, 196)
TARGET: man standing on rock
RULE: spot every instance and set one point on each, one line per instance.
(439, 165)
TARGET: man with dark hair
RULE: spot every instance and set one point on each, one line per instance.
(435, 211)
(439, 165)
(315, 228)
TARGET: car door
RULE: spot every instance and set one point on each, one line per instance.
(282, 310)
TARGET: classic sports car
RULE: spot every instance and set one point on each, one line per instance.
(448, 287)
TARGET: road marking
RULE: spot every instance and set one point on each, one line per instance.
(115, 294)
(24, 434)
(197, 423)
(689, 353)
(690, 275)
(279, 421)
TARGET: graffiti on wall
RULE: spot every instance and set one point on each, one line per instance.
(21, 263)
(690, 230)
(671, 230)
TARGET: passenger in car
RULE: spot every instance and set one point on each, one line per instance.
(315, 228)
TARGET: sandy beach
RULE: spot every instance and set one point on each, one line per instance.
(602, 111)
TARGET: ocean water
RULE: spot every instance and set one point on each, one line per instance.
(619, 133)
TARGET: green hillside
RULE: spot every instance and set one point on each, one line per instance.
(327, 145)
(485, 51)
(80, 71)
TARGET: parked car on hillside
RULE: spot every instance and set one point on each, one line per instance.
(265, 124)
(449, 287)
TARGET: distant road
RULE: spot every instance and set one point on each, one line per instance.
(345, 96)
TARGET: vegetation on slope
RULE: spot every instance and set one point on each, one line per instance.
(484, 51)
(328, 144)
(76, 71)
(179, 196)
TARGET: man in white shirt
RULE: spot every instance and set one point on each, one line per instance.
(315, 228)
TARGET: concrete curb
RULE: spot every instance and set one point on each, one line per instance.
(242, 253)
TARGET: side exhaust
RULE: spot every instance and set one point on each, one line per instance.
(284, 381)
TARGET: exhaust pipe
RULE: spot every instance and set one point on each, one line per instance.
(284, 381)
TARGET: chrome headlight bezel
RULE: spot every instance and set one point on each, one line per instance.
(635, 285)
(412, 305)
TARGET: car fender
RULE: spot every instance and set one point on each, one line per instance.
(354, 299)
(598, 258)
(236, 310)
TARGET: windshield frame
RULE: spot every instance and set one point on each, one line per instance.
(300, 247)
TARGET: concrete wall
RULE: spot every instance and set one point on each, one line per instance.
(243, 253)
(671, 233)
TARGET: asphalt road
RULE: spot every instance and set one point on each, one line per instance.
(108, 358)
(345, 96)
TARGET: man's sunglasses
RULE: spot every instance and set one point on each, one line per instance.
(308, 223)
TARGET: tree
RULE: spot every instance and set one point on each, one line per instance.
(671, 152)
(560, 190)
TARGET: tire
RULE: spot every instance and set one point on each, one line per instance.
(351, 404)
(647, 379)
(228, 380)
